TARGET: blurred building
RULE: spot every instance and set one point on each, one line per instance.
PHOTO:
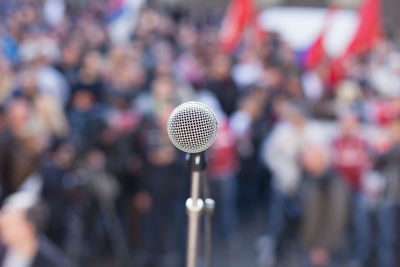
(390, 8)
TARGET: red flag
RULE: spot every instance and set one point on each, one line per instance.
(317, 51)
(239, 14)
(369, 31)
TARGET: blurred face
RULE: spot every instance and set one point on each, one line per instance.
(382, 142)
(291, 113)
(164, 67)
(287, 54)
(314, 160)
(129, 74)
(294, 86)
(70, 55)
(221, 67)
(96, 160)
(163, 89)
(64, 155)
(28, 82)
(162, 116)
(138, 75)
(187, 36)
(349, 124)
(92, 63)
(18, 114)
(29, 14)
(82, 100)
(394, 128)
(14, 227)
(97, 35)
(296, 119)
(252, 106)
(162, 51)
(119, 53)
(274, 76)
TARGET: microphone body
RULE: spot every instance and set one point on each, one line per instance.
(192, 128)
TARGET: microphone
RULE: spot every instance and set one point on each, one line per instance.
(192, 128)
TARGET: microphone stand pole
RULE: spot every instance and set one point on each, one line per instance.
(194, 208)
(209, 206)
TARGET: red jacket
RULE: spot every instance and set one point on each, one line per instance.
(350, 158)
(223, 161)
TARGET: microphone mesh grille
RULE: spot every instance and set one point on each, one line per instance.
(192, 127)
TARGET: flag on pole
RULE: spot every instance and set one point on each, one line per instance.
(239, 15)
(316, 52)
(369, 31)
(122, 18)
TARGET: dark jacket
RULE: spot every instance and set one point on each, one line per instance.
(389, 164)
(48, 255)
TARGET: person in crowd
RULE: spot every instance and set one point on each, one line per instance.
(69, 61)
(92, 200)
(249, 128)
(84, 117)
(380, 195)
(23, 142)
(324, 199)
(89, 76)
(222, 84)
(58, 181)
(350, 150)
(386, 162)
(352, 161)
(280, 153)
(222, 168)
(22, 219)
(164, 184)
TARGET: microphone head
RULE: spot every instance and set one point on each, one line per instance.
(192, 127)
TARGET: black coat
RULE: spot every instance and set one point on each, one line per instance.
(48, 255)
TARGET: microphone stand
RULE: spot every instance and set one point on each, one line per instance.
(195, 207)
(209, 206)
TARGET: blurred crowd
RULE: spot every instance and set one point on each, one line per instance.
(84, 143)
